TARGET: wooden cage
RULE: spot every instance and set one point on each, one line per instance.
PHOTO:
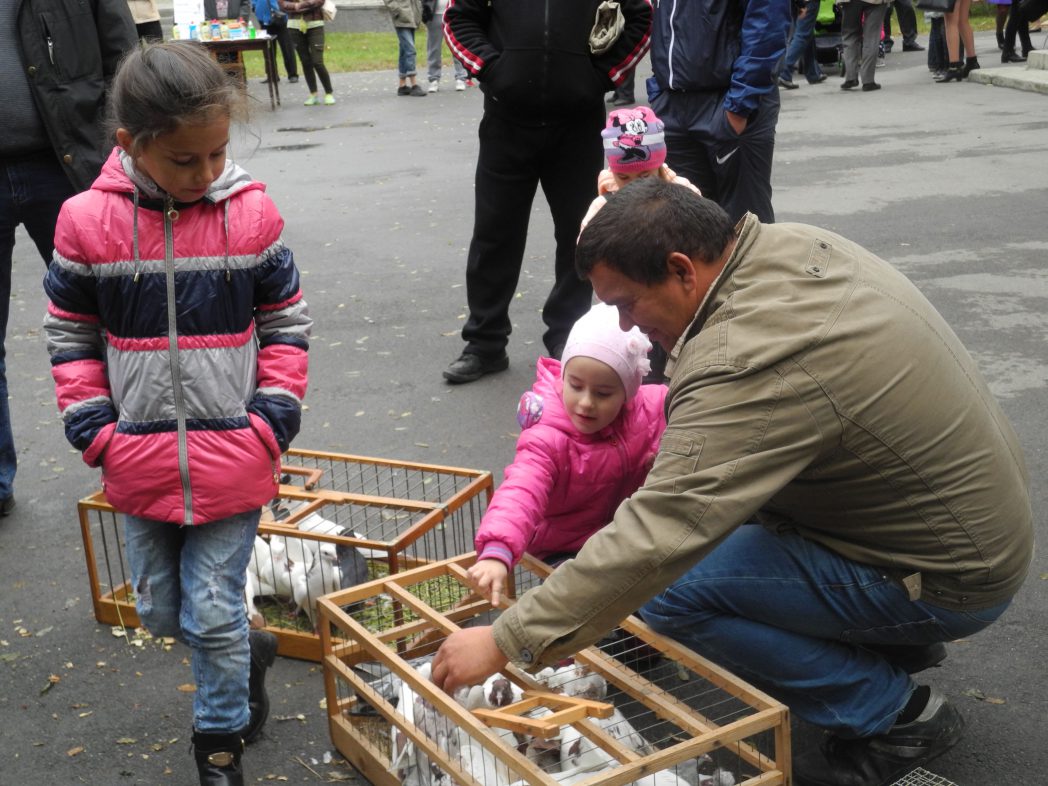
(374, 516)
(636, 708)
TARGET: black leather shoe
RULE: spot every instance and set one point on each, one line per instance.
(218, 759)
(469, 367)
(818, 80)
(1010, 56)
(914, 47)
(849, 84)
(866, 88)
(911, 658)
(883, 759)
(7, 504)
(263, 653)
(787, 84)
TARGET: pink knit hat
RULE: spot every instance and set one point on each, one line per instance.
(634, 140)
(597, 335)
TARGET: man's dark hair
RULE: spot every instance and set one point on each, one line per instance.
(645, 222)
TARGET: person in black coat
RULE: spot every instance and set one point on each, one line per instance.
(544, 83)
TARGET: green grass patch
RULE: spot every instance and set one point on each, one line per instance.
(378, 51)
(354, 52)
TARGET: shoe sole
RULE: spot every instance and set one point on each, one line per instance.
(461, 379)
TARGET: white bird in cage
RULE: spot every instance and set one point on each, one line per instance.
(322, 578)
(578, 752)
(267, 573)
(621, 729)
(485, 767)
(663, 778)
(719, 777)
(577, 680)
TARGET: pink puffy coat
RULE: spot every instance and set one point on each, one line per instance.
(562, 485)
(178, 338)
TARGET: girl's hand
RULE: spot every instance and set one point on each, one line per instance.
(489, 579)
(606, 182)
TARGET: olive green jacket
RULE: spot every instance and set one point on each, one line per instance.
(818, 390)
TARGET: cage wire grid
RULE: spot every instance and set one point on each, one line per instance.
(668, 719)
(369, 516)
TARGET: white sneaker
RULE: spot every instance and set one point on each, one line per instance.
(434, 87)
(460, 84)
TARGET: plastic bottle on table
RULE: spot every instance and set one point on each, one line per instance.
(251, 32)
(193, 31)
(216, 30)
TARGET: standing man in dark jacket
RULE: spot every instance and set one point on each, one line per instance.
(56, 59)
(714, 87)
(544, 92)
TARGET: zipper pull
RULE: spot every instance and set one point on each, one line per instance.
(51, 50)
(171, 211)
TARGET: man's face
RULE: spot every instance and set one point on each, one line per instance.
(662, 311)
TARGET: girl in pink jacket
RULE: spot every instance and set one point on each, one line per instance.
(589, 433)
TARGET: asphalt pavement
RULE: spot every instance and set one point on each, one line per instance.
(946, 181)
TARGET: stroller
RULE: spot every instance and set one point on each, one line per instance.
(829, 49)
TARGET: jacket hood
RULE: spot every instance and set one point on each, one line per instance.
(120, 174)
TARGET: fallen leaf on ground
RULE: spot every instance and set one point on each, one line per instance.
(975, 693)
(75, 751)
(187, 687)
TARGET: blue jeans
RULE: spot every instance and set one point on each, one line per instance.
(32, 190)
(791, 616)
(189, 583)
(406, 57)
(802, 42)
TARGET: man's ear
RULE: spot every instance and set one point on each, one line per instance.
(682, 269)
(124, 139)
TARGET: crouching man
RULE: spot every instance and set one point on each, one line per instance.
(837, 492)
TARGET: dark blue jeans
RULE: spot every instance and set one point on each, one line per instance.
(802, 44)
(794, 618)
(32, 190)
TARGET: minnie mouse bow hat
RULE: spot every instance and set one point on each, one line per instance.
(634, 140)
(597, 335)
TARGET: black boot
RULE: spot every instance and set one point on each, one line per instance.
(953, 73)
(970, 64)
(218, 759)
(263, 653)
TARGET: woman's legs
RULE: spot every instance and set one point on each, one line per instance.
(967, 37)
(953, 39)
(315, 40)
(302, 47)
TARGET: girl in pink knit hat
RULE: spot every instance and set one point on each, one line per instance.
(635, 146)
(589, 432)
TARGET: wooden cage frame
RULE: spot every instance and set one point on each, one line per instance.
(347, 643)
(116, 607)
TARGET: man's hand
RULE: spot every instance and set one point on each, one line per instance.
(738, 123)
(467, 657)
(489, 579)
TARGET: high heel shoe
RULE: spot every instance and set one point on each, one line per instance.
(953, 73)
(1010, 56)
(970, 64)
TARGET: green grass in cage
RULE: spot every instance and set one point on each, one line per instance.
(377, 613)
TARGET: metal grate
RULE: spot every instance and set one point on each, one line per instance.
(921, 777)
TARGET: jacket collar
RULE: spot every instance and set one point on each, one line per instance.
(120, 174)
(746, 233)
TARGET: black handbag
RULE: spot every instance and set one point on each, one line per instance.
(945, 6)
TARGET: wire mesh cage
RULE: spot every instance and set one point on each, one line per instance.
(921, 777)
(338, 520)
(636, 708)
